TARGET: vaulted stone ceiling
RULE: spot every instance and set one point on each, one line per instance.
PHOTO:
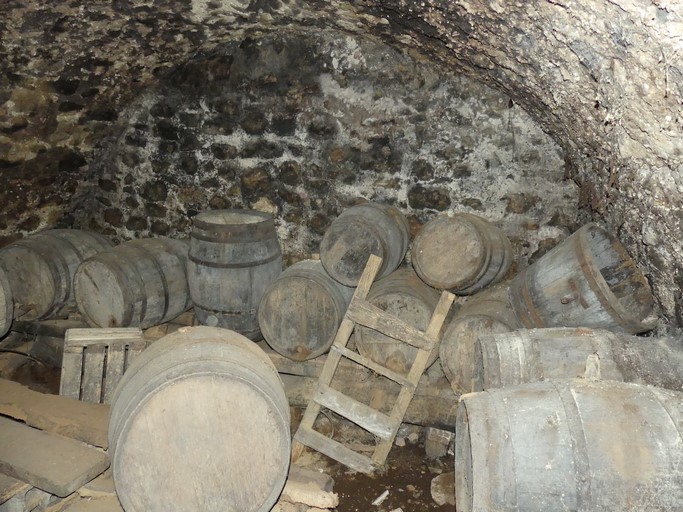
(602, 78)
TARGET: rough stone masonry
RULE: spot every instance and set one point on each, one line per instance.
(108, 120)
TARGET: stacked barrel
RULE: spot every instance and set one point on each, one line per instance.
(562, 406)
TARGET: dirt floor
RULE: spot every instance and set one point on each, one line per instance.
(407, 477)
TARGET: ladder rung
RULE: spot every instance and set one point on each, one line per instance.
(369, 363)
(334, 450)
(369, 315)
(362, 415)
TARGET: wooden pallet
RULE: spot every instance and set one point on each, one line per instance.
(383, 426)
(95, 359)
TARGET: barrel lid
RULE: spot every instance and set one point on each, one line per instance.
(449, 252)
(101, 295)
(346, 247)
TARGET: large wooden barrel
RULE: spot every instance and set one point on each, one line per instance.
(234, 256)
(200, 421)
(462, 253)
(570, 445)
(41, 268)
(404, 295)
(488, 312)
(139, 283)
(588, 280)
(562, 353)
(301, 310)
(362, 230)
(6, 304)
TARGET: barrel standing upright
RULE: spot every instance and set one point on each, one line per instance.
(234, 256)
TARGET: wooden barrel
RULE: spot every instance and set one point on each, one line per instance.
(200, 421)
(570, 445)
(41, 268)
(360, 231)
(588, 280)
(234, 256)
(301, 310)
(485, 313)
(562, 353)
(404, 295)
(462, 253)
(6, 304)
(139, 283)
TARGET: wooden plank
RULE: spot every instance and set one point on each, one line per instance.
(440, 314)
(10, 487)
(93, 371)
(133, 351)
(116, 358)
(369, 315)
(334, 450)
(52, 328)
(362, 415)
(96, 336)
(369, 363)
(52, 463)
(58, 414)
(72, 368)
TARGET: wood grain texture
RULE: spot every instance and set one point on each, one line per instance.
(41, 267)
(137, 283)
(52, 463)
(57, 414)
(300, 312)
(200, 422)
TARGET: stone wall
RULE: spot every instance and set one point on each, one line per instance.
(602, 78)
(305, 124)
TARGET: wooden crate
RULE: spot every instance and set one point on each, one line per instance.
(95, 359)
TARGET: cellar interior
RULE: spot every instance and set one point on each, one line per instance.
(129, 118)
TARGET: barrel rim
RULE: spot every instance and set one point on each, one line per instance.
(441, 222)
(601, 288)
(201, 220)
(124, 425)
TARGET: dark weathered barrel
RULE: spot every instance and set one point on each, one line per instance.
(488, 312)
(588, 280)
(570, 445)
(561, 353)
(404, 295)
(462, 253)
(360, 231)
(138, 283)
(41, 268)
(301, 310)
(200, 421)
(6, 304)
(234, 256)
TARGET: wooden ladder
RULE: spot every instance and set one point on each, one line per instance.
(383, 426)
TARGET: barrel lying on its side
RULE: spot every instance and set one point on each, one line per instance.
(462, 253)
(301, 310)
(405, 296)
(588, 280)
(488, 312)
(139, 283)
(200, 421)
(524, 356)
(41, 268)
(362, 230)
(570, 445)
